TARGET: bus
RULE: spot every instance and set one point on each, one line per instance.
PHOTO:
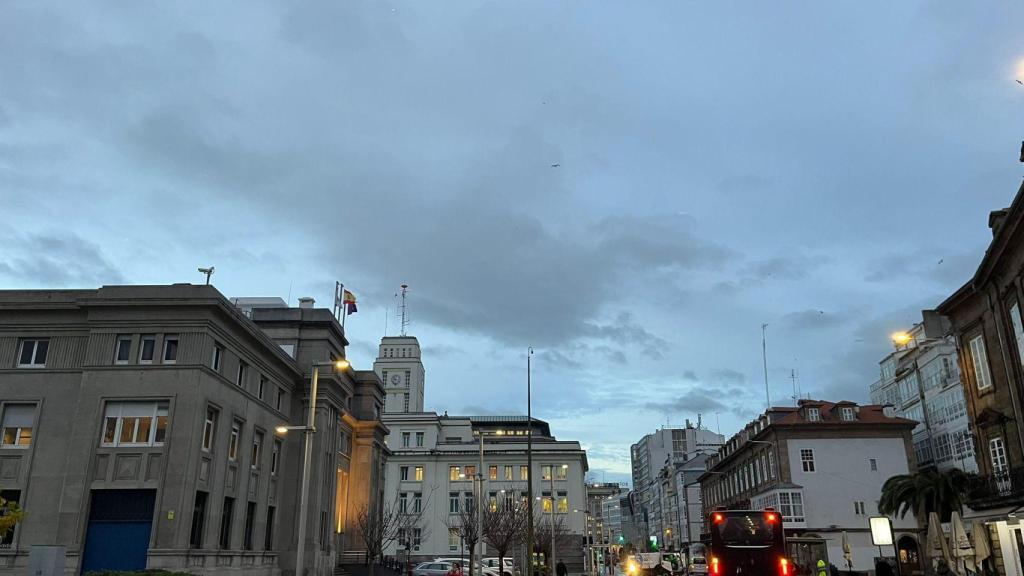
(747, 543)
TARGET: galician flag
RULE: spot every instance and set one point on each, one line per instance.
(349, 301)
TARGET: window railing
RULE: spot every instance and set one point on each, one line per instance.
(997, 488)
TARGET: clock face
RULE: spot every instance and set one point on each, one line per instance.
(396, 379)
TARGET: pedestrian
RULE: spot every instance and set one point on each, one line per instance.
(561, 570)
(882, 568)
(943, 568)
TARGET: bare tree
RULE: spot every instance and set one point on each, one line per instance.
(503, 528)
(397, 519)
(467, 524)
(544, 525)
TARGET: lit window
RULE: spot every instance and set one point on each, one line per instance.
(560, 472)
(453, 472)
(147, 349)
(492, 472)
(33, 353)
(418, 474)
(170, 349)
(508, 472)
(524, 473)
(123, 350)
(470, 471)
(17, 425)
(545, 472)
(134, 423)
(563, 503)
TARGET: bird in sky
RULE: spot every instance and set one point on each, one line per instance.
(555, 165)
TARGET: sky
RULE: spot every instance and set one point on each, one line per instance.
(632, 188)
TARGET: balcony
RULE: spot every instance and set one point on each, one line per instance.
(997, 489)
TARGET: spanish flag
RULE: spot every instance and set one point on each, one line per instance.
(349, 301)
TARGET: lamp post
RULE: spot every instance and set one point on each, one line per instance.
(529, 467)
(552, 479)
(308, 430)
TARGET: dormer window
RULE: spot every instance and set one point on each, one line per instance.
(848, 414)
(813, 415)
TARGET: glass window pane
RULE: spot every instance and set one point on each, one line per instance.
(10, 435)
(41, 347)
(161, 429)
(25, 438)
(28, 347)
(142, 430)
(109, 430)
(128, 429)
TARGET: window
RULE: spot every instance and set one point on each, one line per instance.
(858, 508)
(405, 402)
(250, 521)
(236, 432)
(470, 471)
(807, 459)
(508, 472)
(545, 472)
(454, 540)
(453, 502)
(1018, 331)
(170, 348)
(561, 471)
(147, 349)
(275, 457)
(418, 474)
(813, 415)
(874, 464)
(279, 401)
(492, 472)
(268, 539)
(416, 533)
(240, 377)
(403, 473)
(17, 425)
(563, 502)
(134, 423)
(419, 438)
(225, 523)
(848, 414)
(546, 499)
(263, 385)
(771, 465)
(405, 439)
(403, 504)
(195, 536)
(492, 501)
(123, 349)
(791, 506)
(257, 445)
(453, 472)
(33, 353)
(417, 502)
(997, 453)
(209, 428)
(980, 362)
(218, 355)
(469, 502)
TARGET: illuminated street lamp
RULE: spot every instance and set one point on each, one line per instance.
(901, 338)
(308, 430)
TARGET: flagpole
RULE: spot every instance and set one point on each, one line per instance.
(344, 308)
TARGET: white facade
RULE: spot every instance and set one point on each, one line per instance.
(400, 367)
(450, 448)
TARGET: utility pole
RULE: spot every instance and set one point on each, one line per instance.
(764, 359)
(529, 468)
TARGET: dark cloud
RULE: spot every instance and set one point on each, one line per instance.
(56, 260)
(690, 375)
(703, 401)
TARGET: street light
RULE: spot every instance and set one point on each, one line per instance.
(901, 338)
(308, 430)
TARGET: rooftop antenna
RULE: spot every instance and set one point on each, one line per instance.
(764, 359)
(209, 272)
(405, 318)
(718, 423)
(698, 420)
(796, 394)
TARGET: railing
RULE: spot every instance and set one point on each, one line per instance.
(997, 488)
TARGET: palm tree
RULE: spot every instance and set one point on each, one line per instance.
(925, 492)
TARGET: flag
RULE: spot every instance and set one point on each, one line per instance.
(349, 300)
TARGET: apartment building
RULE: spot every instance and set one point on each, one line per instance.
(822, 466)
(139, 431)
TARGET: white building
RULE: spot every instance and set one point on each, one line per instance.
(650, 456)
(922, 382)
(822, 466)
(434, 458)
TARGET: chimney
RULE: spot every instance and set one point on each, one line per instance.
(306, 302)
(996, 219)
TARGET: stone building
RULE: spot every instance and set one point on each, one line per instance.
(139, 431)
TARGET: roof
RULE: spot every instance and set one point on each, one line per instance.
(867, 414)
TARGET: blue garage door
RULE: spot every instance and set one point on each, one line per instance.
(119, 525)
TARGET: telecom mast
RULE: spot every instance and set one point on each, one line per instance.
(405, 317)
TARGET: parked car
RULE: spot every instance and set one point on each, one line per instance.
(509, 568)
(698, 565)
(434, 568)
(464, 562)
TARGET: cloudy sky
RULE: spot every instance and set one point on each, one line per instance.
(632, 188)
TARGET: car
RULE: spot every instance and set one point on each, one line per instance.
(435, 568)
(492, 563)
(697, 565)
(464, 562)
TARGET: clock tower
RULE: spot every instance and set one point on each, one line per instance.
(399, 365)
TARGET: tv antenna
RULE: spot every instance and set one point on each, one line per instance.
(764, 359)
(209, 272)
(405, 317)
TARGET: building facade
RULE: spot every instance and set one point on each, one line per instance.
(139, 431)
(434, 458)
(822, 466)
(681, 503)
(599, 533)
(649, 457)
(920, 379)
(985, 318)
